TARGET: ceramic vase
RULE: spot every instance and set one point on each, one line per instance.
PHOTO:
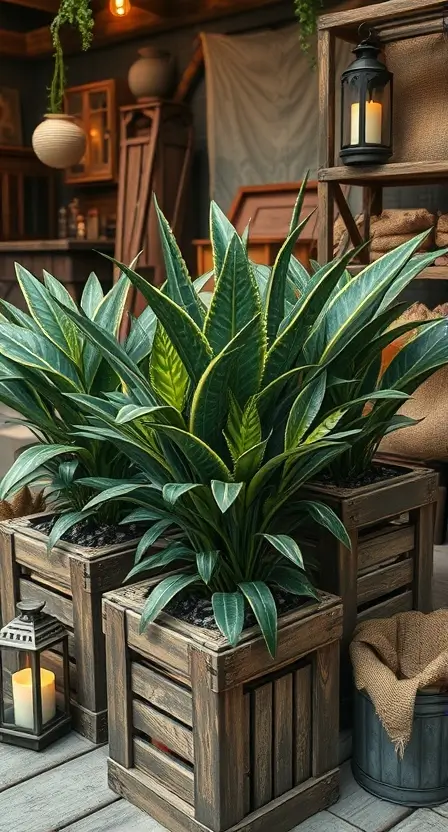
(152, 75)
(58, 141)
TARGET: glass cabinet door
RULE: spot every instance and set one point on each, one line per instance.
(99, 132)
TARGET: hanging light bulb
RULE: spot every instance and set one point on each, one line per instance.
(119, 8)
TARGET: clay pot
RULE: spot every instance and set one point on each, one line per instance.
(152, 75)
(58, 141)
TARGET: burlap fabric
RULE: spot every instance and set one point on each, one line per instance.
(428, 440)
(442, 261)
(442, 224)
(420, 114)
(388, 243)
(401, 221)
(341, 238)
(441, 239)
(395, 657)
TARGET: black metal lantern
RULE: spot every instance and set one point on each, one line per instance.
(366, 108)
(34, 676)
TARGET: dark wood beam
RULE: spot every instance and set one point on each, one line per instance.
(12, 44)
(50, 6)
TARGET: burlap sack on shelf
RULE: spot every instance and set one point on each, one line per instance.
(442, 223)
(395, 657)
(420, 112)
(341, 238)
(427, 440)
(401, 221)
(391, 241)
(441, 239)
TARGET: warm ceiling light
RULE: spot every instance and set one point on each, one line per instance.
(119, 8)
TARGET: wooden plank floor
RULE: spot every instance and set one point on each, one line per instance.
(65, 787)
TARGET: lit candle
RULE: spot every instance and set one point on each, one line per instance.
(374, 114)
(22, 695)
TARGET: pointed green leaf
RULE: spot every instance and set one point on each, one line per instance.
(162, 595)
(172, 490)
(92, 296)
(293, 581)
(31, 460)
(304, 410)
(263, 605)
(325, 427)
(225, 493)
(287, 547)
(206, 563)
(179, 286)
(235, 301)
(228, 609)
(188, 340)
(158, 560)
(418, 358)
(203, 460)
(150, 537)
(35, 350)
(167, 373)
(141, 335)
(108, 315)
(63, 524)
(117, 491)
(243, 430)
(248, 463)
(221, 233)
(324, 516)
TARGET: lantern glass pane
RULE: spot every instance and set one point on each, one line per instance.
(17, 698)
(52, 683)
(350, 124)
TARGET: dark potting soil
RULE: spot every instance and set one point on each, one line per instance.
(376, 473)
(199, 610)
(89, 534)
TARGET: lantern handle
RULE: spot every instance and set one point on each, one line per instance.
(367, 34)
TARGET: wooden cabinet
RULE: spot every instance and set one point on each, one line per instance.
(27, 206)
(95, 107)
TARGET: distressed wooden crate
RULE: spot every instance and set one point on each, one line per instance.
(203, 736)
(391, 528)
(71, 580)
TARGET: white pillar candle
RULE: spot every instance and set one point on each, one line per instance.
(374, 116)
(22, 696)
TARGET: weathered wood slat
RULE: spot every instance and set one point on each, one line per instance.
(89, 641)
(384, 581)
(33, 554)
(383, 545)
(175, 775)
(118, 685)
(283, 734)
(53, 661)
(120, 816)
(19, 764)
(398, 603)
(423, 556)
(164, 729)
(162, 692)
(159, 645)
(218, 748)
(247, 662)
(36, 805)
(282, 814)
(263, 722)
(303, 722)
(325, 714)
(57, 605)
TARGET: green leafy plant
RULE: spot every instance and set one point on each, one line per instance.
(306, 12)
(77, 13)
(43, 357)
(230, 421)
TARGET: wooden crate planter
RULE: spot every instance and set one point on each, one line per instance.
(71, 580)
(203, 736)
(391, 528)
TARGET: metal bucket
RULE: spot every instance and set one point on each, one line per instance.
(421, 777)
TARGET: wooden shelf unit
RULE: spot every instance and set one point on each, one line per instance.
(392, 21)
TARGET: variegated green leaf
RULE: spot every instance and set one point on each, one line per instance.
(243, 430)
(202, 459)
(225, 493)
(263, 605)
(287, 547)
(163, 593)
(167, 373)
(206, 564)
(108, 315)
(304, 410)
(92, 296)
(324, 516)
(292, 580)
(325, 427)
(172, 490)
(33, 349)
(228, 609)
(150, 537)
(221, 233)
(31, 460)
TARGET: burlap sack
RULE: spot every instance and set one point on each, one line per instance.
(388, 243)
(427, 440)
(420, 114)
(395, 657)
(441, 239)
(442, 224)
(341, 238)
(401, 221)
(442, 261)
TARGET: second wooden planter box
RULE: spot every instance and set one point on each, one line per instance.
(203, 736)
(71, 580)
(391, 528)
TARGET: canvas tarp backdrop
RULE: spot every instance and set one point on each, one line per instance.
(262, 109)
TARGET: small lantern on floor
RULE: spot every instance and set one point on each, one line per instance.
(366, 108)
(34, 700)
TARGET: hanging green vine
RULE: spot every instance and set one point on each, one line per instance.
(306, 12)
(77, 13)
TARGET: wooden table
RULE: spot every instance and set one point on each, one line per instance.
(70, 261)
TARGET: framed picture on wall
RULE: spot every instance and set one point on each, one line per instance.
(10, 118)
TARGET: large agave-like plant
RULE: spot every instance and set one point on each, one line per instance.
(43, 357)
(230, 421)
